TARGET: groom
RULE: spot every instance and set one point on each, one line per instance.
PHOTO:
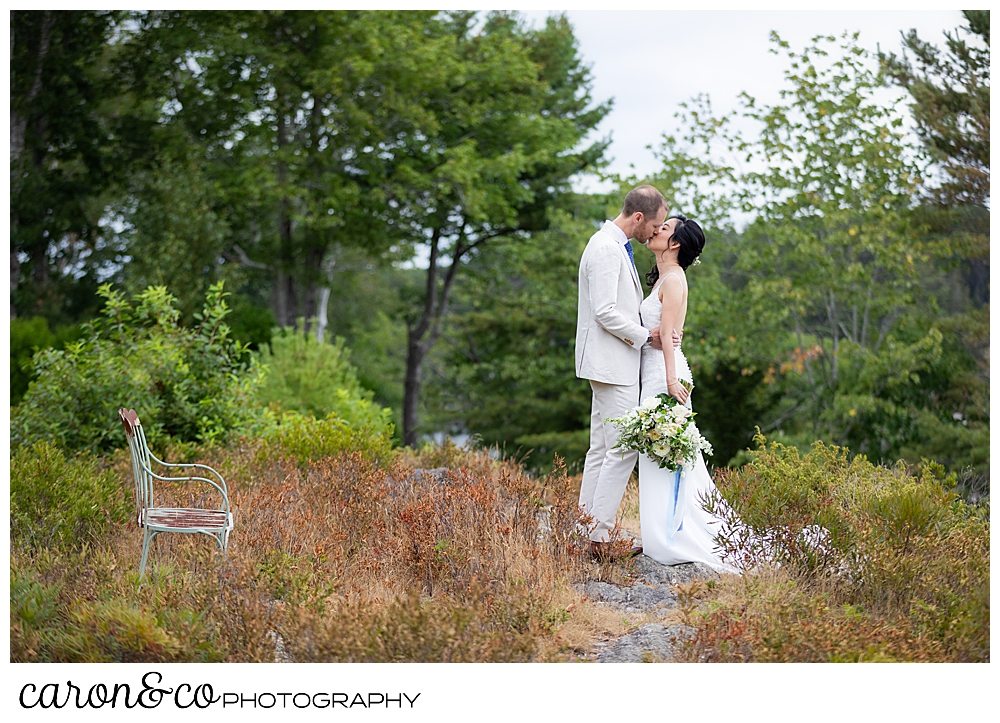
(609, 337)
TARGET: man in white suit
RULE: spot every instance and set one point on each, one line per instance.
(609, 337)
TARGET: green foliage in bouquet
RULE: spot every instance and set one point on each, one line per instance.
(664, 429)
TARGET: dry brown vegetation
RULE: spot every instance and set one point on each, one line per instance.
(450, 555)
(904, 574)
(338, 559)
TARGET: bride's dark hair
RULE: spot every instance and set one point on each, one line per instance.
(692, 240)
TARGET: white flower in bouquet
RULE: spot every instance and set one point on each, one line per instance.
(663, 429)
(669, 430)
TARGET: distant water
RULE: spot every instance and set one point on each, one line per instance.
(458, 440)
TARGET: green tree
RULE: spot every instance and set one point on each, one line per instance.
(505, 369)
(829, 293)
(950, 92)
(290, 118)
(73, 129)
(951, 104)
(506, 110)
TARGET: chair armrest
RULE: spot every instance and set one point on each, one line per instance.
(222, 490)
(190, 464)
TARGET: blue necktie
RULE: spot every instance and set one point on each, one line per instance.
(631, 256)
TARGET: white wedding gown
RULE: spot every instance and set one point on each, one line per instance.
(674, 526)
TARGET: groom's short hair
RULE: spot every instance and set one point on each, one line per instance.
(646, 200)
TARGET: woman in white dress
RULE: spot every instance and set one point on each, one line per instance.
(675, 528)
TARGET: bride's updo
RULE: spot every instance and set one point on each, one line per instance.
(692, 240)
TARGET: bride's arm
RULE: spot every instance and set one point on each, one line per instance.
(672, 297)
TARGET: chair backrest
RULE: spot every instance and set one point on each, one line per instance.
(140, 460)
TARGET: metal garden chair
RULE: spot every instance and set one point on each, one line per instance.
(153, 520)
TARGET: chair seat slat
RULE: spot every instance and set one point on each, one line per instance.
(187, 518)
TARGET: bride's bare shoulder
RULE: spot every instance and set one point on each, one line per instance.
(671, 288)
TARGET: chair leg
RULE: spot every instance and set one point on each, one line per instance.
(147, 540)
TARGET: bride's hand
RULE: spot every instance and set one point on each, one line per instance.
(678, 391)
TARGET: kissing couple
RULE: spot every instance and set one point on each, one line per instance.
(619, 350)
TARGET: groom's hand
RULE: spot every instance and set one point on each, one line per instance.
(676, 337)
(656, 338)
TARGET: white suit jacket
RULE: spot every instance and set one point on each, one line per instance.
(609, 334)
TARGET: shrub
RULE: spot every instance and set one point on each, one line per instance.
(33, 611)
(27, 337)
(337, 559)
(414, 630)
(61, 501)
(191, 384)
(47, 627)
(314, 377)
(326, 410)
(448, 454)
(785, 623)
(902, 551)
(305, 438)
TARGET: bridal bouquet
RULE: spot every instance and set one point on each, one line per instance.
(664, 429)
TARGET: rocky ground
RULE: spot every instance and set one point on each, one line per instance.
(648, 590)
(652, 591)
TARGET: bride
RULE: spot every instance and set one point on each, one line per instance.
(674, 527)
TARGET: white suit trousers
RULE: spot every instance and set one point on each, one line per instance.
(606, 471)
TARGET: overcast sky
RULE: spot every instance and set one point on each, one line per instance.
(650, 60)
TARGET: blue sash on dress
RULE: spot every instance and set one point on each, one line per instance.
(675, 514)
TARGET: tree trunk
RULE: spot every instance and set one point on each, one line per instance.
(19, 121)
(415, 353)
(328, 264)
(423, 334)
(15, 270)
(280, 302)
(310, 290)
(321, 314)
(18, 127)
(284, 289)
(286, 304)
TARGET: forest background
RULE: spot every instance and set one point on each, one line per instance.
(387, 198)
